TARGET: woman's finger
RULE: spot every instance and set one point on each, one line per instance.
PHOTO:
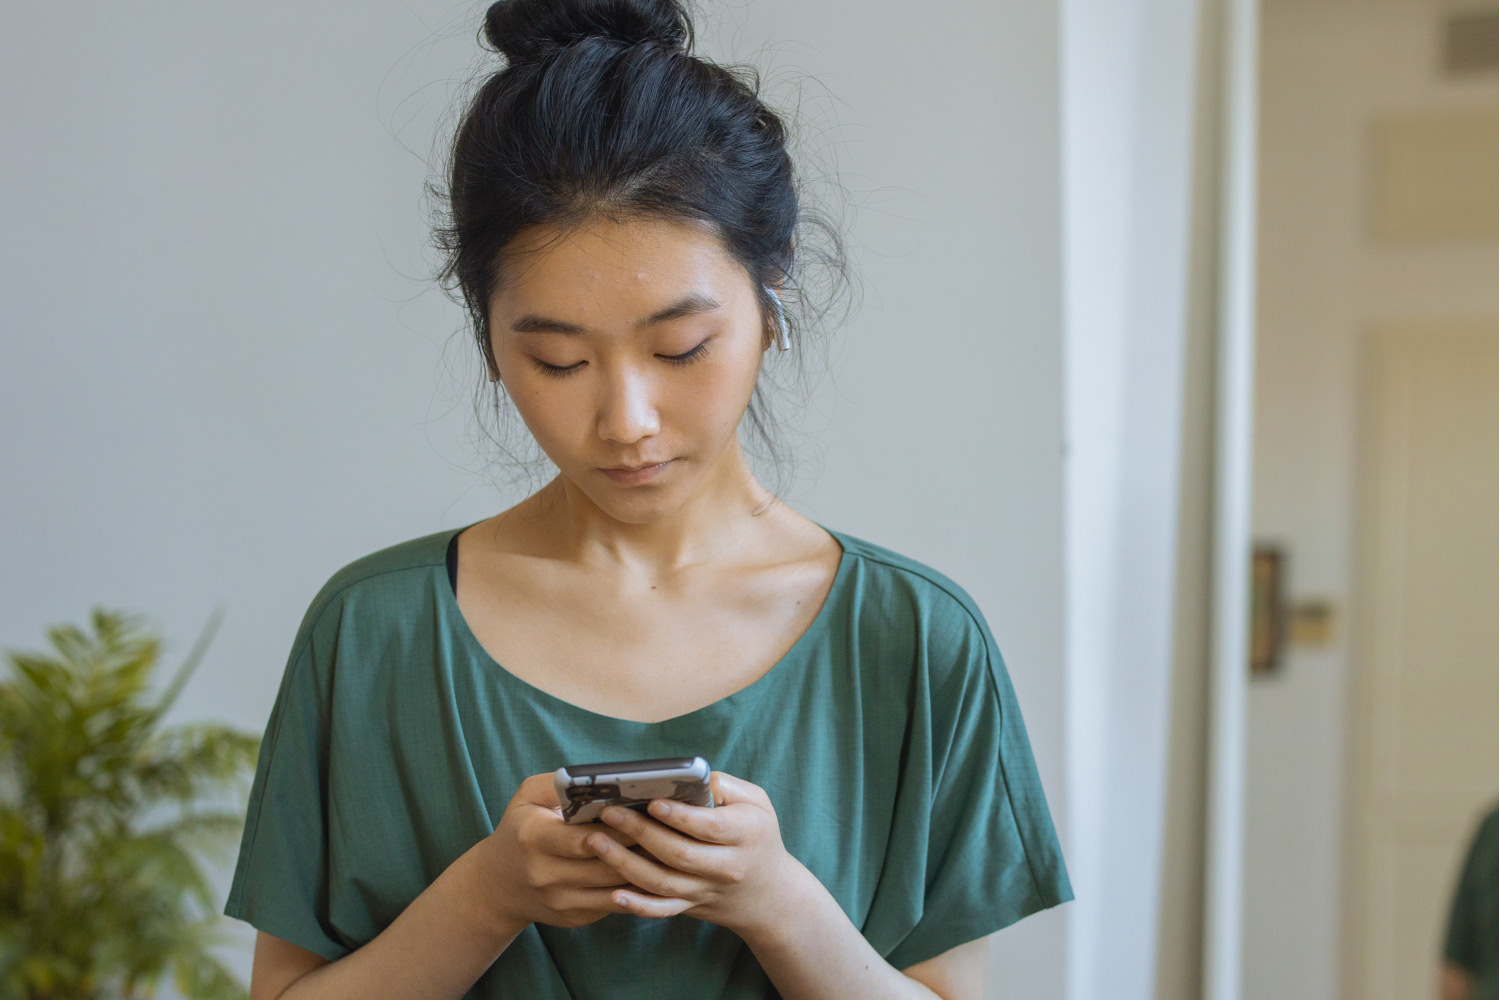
(644, 872)
(591, 874)
(584, 906)
(722, 825)
(565, 840)
(643, 905)
(663, 843)
(727, 790)
(539, 790)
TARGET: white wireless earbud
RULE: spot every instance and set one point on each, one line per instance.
(783, 336)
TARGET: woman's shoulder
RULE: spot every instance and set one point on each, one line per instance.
(402, 557)
(901, 618)
(890, 573)
(386, 578)
(892, 604)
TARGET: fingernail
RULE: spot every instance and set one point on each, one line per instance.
(598, 843)
(660, 809)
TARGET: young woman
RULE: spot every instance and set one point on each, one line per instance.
(623, 220)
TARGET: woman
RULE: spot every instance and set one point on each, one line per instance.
(622, 230)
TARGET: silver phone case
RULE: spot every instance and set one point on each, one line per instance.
(630, 783)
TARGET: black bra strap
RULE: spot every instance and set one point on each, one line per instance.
(453, 563)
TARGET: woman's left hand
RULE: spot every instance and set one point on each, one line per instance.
(726, 865)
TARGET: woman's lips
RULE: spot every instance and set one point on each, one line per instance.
(627, 476)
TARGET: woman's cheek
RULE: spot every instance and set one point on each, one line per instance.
(709, 404)
(736, 388)
(544, 413)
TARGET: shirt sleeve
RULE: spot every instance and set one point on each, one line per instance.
(975, 816)
(1469, 941)
(280, 883)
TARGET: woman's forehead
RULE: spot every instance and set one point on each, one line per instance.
(637, 258)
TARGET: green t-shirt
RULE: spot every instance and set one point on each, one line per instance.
(1470, 941)
(888, 738)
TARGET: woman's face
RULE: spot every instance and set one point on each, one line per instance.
(631, 349)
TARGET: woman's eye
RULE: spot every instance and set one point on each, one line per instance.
(556, 371)
(686, 358)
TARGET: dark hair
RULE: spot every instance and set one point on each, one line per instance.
(601, 108)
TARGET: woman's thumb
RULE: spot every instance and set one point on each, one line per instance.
(727, 790)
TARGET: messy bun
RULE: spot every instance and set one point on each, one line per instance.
(527, 30)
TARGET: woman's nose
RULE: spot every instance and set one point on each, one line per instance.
(627, 413)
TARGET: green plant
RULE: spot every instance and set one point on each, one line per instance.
(103, 813)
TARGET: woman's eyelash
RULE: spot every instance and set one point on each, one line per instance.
(688, 357)
(553, 371)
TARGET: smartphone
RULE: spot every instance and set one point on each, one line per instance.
(584, 790)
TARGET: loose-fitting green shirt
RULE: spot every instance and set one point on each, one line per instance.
(888, 738)
(1474, 915)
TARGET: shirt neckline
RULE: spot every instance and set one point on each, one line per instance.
(466, 636)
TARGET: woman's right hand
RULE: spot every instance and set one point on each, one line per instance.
(535, 868)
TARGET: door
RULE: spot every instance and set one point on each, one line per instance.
(1423, 716)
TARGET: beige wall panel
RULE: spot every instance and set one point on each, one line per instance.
(1433, 176)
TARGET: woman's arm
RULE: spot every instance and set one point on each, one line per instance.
(1455, 982)
(533, 868)
(814, 951)
(435, 950)
(956, 974)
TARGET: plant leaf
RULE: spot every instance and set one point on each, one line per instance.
(186, 761)
(201, 976)
(194, 657)
(101, 890)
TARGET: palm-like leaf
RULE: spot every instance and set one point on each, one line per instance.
(101, 892)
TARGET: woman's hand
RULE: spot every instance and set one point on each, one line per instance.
(535, 868)
(726, 865)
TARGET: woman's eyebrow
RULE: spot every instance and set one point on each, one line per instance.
(688, 305)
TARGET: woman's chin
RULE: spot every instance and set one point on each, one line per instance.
(635, 504)
(661, 494)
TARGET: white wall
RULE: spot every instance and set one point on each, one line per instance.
(1328, 69)
(224, 374)
(1129, 70)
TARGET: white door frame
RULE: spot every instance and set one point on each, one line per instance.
(1224, 853)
